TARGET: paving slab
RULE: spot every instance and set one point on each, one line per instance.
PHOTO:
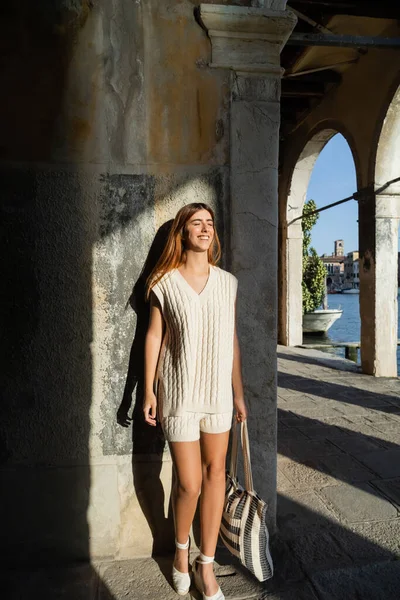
(388, 425)
(321, 432)
(287, 417)
(357, 504)
(372, 399)
(316, 548)
(385, 463)
(68, 583)
(150, 579)
(302, 591)
(287, 433)
(338, 421)
(376, 419)
(305, 474)
(359, 429)
(368, 542)
(390, 488)
(315, 412)
(379, 581)
(351, 409)
(303, 449)
(343, 467)
(362, 542)
(298, 509)
(388, 439)
(299, 401)
(282, 482)
(356, 445)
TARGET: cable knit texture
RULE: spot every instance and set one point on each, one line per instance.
(194, 372)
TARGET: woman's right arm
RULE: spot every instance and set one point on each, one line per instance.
(152, 348)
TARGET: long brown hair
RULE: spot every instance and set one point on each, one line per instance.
(173, 253)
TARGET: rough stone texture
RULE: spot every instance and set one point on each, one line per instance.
(374, 582)
(306, 473)
(254, 141)
(150, 578)
(119, 124)
(330, 529)
(391, 489)
(302, 450)
(318, 549)
(381, 539)
(254, 125)
(298, 509)
(67, 583)
(318, 552)
(385, 463)
(146, 514)
(344, 468)
(282, 482)
(357, 504)
(356, 446)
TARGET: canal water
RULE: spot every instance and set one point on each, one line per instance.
(347, 328)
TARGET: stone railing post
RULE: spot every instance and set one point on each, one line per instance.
(249, 41)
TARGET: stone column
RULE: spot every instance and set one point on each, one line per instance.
(291, 318)
(378, 242)
(249, 41)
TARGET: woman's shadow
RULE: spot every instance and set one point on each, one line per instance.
(148, 443)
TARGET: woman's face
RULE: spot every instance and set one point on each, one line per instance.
(199, 231)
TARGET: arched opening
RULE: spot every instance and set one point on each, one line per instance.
(379, 231)
(291, 312)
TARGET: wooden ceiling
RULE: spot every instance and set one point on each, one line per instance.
(329, 38)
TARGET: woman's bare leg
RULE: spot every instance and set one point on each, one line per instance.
(214, 447)
(187, 463)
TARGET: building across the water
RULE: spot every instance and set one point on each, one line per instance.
(342, 269)
(351, 271)
(334, 264)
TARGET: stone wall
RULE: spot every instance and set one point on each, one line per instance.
(111, 122)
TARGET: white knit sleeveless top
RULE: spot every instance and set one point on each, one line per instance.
(194, 372)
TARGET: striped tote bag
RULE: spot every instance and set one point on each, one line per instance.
(243, 526)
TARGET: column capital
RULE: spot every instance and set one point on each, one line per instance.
(247, 40)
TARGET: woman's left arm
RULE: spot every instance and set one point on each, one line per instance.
(237, 380)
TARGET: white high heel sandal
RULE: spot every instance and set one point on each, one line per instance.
(205, 560)
(180, 580)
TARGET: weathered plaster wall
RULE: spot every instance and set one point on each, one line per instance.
(356, 109)
(111, 123)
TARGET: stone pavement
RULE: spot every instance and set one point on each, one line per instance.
(338, 502)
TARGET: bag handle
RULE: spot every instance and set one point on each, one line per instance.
(244, 439)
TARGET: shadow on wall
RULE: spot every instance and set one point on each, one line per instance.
(46, 298)
(147, 442)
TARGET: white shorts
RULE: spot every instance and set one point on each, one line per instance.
(187, 427)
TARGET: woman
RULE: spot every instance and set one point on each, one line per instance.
(192, 362)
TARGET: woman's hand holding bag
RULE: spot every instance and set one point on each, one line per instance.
(243, 527)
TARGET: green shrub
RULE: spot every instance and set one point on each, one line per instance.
(314, 271)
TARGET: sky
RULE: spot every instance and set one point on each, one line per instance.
(334, 178)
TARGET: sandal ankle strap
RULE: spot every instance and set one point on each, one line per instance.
(182, 546)
(205, 560)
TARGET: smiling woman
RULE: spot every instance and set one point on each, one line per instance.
(192, 366)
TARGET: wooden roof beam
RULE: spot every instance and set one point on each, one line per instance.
(346, 41)
(292, 88)
(384, 9)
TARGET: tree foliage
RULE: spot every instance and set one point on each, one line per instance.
(314, 271)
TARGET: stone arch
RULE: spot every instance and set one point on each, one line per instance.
(379, 215)
(290, 320)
